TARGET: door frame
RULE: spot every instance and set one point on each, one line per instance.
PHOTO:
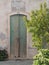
(8, 33)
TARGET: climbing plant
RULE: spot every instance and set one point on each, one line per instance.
(38, 25)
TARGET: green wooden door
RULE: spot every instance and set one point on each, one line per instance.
(14, 35)
(22, 36)
(17, 35)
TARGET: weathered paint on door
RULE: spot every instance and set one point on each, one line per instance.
(14, 35)
(22, 37)
(17, 35)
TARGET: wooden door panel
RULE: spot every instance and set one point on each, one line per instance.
(17, 36)
(22, 37)
(14, 35)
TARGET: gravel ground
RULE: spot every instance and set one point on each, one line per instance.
(17, 62)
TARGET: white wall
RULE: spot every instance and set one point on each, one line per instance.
(5, 10)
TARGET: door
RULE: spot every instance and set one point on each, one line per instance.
(17, 36)
(23, 37)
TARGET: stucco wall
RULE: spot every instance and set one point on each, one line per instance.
(5, 11)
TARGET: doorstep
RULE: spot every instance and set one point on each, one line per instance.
(22, 59)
